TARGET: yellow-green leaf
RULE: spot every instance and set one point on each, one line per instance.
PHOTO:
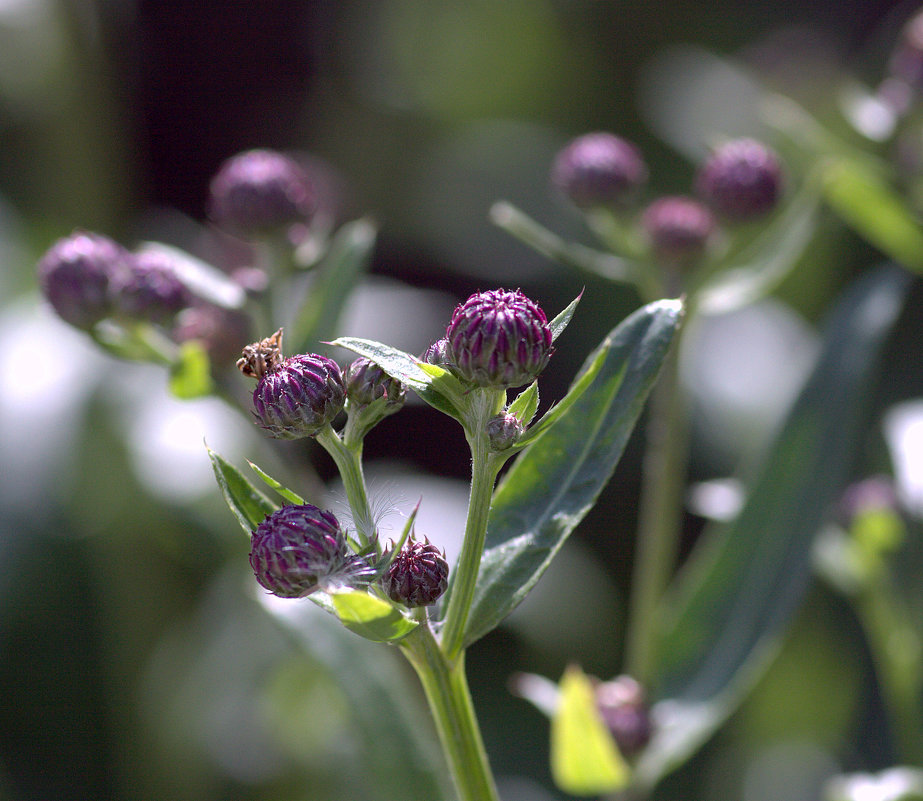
(371, 617)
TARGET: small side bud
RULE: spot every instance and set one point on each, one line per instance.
(499, 339)
(678, 230)
(599, 169)
(503, 431)
(438, 354)
(418, 575)
(742, 180)
(366, 382)
(623, 708)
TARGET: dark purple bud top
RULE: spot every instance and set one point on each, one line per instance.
(499, 339)
(418, 575)
(906, 61)
(76, 273)
(438, 354)
(150, 289)
(366, 382)
(599, 169)
(678, 229)
(297, 550)
(299, 397)
(260, 191)
(742, 180)
(622, 706)
(503, 431)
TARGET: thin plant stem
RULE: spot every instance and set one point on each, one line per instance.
(446, 688)
(349, 464)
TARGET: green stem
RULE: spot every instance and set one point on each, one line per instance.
(349, 463)
(484, 469)
(446, 689)
(660, 515)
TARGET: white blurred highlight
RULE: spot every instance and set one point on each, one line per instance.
(903, 430)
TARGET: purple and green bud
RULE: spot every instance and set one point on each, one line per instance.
(417, 576)
(599, 169)
(76, 276)
(366, 382)
(678, 229)
(438, 354)
(622, 706)
(503, 431)
(499, 339)
(260, 191)
(150, 289)
(297, 550)
(741, 181)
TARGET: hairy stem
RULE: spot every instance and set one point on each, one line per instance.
(349, 464)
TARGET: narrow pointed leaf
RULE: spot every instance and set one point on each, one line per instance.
(284, 491)
(246, 503)
(526, 404)
(553, 484)
(371, 617)
(559, 323)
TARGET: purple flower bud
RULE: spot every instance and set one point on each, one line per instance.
(503, 430)
(75, 275)
(297, 550)
(599, 169)
(260, 191)
(906, 62)
(150, 288)
(499, 338)
(418, 575)
(366, 382)
(678, 229)
(742, 180)
(438, 354)
(299, 397)
(623, 708)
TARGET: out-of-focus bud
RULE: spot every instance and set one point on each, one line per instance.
(418, 575)
(150, 288)
(297, 550)
(76, 274)
(221, 331)
(906, 62)
(503, 431)
(678, 229)
(623, 708)
(599, 169)
(742, 180)
(499, 339)
(366, 382)
(260, 191)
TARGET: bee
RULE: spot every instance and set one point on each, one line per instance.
(261, 357)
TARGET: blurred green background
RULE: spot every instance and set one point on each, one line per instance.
(134, 663)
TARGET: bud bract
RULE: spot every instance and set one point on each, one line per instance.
(599, 169)
(299, 397)
(150, 288)
(742, 180)
(418, 576)
(499, 339)
(297, 550)
(76, 274)
(366, 382)
(503, 430)
(678, 229)
(260, 191)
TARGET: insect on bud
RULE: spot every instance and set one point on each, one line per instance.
(418, 576)
(599, 169)
(742, 180)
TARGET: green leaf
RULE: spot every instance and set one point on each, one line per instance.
(371, 617)
(867, 202)
(247, 503)
(190, 376)
(553, 484)
(559, 323)
(328, 286)
(526, 404)
(585, 760)
(284, 491)
(722, 625)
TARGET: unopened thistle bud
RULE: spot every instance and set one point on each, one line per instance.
(76, 274)
(742, 180)
(260, 191)
(622, 706)
(599, 169)
(297, 550)
(366, 382)
(499, 339)
(678, 229)
(150, 288)
(418, 576)
(503, 431)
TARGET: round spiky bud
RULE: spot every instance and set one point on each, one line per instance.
(76, 274)
(418, 575)
(599, 169)
(299, 397)
(678, 229)
(366, 382)
(150, 288)
(260, 191)
(622, 706)
(503, 430)
(297, 550)
(499, 338)
(742, 180)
